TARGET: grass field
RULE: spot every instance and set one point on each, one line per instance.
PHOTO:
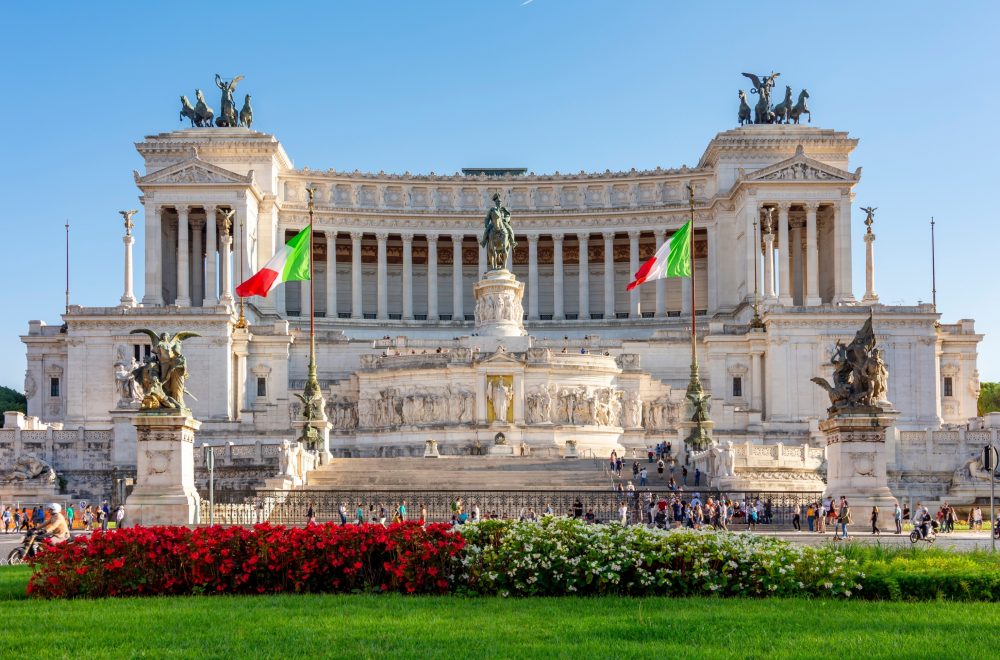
(453, 627)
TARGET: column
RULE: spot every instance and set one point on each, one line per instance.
(557, 278)
(633, 266)
(713, 270)
(153, 293)
(751, 215)
(356, 311)
(227, 264)
(382, 302)
(769, 294)
(482, 261)
(128, 298)
(197, 264)
(532, 277)
(331, 274)
(843, 290)
(183, 264)
(785, 268)
(870, 295)
(812, 257)
(798, 288)
(609, 274)
(407, 276)
(211, 255)
(584, 277)
(432, 277)
(756, 401)
(661, 284)
(457, 279)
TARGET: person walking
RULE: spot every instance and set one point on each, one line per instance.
(70, 516)
(623, 513)
(897, 517)
(423, 513)
(821, 518)
(697, 477)
(120, 517)
(977, 519)
(7, 519)
(643, 477)
(659, 467)
(359, 514)
(684, 474)
(796, 517)
(105, 515)
(844, 517)
(342, 512)
(874, 518)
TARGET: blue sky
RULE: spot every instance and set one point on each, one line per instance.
(548, 85)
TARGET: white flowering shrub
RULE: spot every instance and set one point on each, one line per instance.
(561, 556)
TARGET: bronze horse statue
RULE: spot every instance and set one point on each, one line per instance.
(498, 237)
(800, 108)
(201, 109)
(744, 116)
(784, 109)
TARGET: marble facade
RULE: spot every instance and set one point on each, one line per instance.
(406, 350)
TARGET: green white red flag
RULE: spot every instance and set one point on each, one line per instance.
(290, 263)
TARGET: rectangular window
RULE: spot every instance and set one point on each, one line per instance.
(737, 387)
(948, 386)
(261, 386)
(54, 386)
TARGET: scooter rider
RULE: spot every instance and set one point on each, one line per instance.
(923, 518)
(57, 528)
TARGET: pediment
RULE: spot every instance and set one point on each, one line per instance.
(193, 171)
(802, 168)
(502, 357)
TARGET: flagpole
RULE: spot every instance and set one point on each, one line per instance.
(67, 266)
(699, 436)
(241, 322)
(312, 397)
(694, 315)
(933, 270)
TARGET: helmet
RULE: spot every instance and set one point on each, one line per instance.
(54, 508)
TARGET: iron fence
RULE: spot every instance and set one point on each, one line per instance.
(290, 507)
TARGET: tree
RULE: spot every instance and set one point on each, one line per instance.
(12, 400)
(989, 398)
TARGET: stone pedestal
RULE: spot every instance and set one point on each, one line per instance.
(431, 449)
(498, 305)
(855, 456)
(123, 445)
(164, 491)
(501, 450)
(570, 450)
(322, 427)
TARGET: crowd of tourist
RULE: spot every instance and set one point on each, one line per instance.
(14, 520)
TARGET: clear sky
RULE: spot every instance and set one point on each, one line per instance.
(545, 84)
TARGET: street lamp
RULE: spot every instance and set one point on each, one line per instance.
(210, 464)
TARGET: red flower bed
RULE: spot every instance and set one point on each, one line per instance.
(328, 558)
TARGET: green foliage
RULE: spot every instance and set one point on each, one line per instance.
(989, 398)
(11, 400)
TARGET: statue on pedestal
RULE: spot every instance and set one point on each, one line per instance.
(860, 375)
(163, 374)
(228, 116)
(498, 237)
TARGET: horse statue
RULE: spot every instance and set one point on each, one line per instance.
(784, 109)
(800, 108)
(498, 237)
(201, 109)
(187, 110)
(744, 116)
(246, 113)
(227, 116)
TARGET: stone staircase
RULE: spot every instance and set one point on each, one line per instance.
(460, 473)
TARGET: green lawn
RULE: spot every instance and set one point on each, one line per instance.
(397, 626)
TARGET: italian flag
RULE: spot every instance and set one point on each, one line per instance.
(673, 259)
(288, 264)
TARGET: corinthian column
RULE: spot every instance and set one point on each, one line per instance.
(457, 283)
(812, 257)
(633, 267)
(382, 304)
(532, 277)
(153, 294)
(785, 268)
(183, 265)
(331, 274)
(584, 277)
(356, 309)
(432, 277)
(128, 297)
(557, 277)
(211, 255)
(769, 293)
(407, 277)
(870, 295)
(227, 264)
(661, 284)
(197, 265)
(609, 274)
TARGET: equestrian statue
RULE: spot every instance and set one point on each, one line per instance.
(498, 237)
(763, 113)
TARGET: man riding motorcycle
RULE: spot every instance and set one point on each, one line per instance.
(57, 528)
(922, 520)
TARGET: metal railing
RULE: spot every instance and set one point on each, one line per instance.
(290, 507)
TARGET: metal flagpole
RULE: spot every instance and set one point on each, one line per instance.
(67, 266)
(698, 437)
(933, 269)
(312, 398)
(241, 322)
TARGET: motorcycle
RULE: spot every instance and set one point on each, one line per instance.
(931, 536)
(30, 546)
